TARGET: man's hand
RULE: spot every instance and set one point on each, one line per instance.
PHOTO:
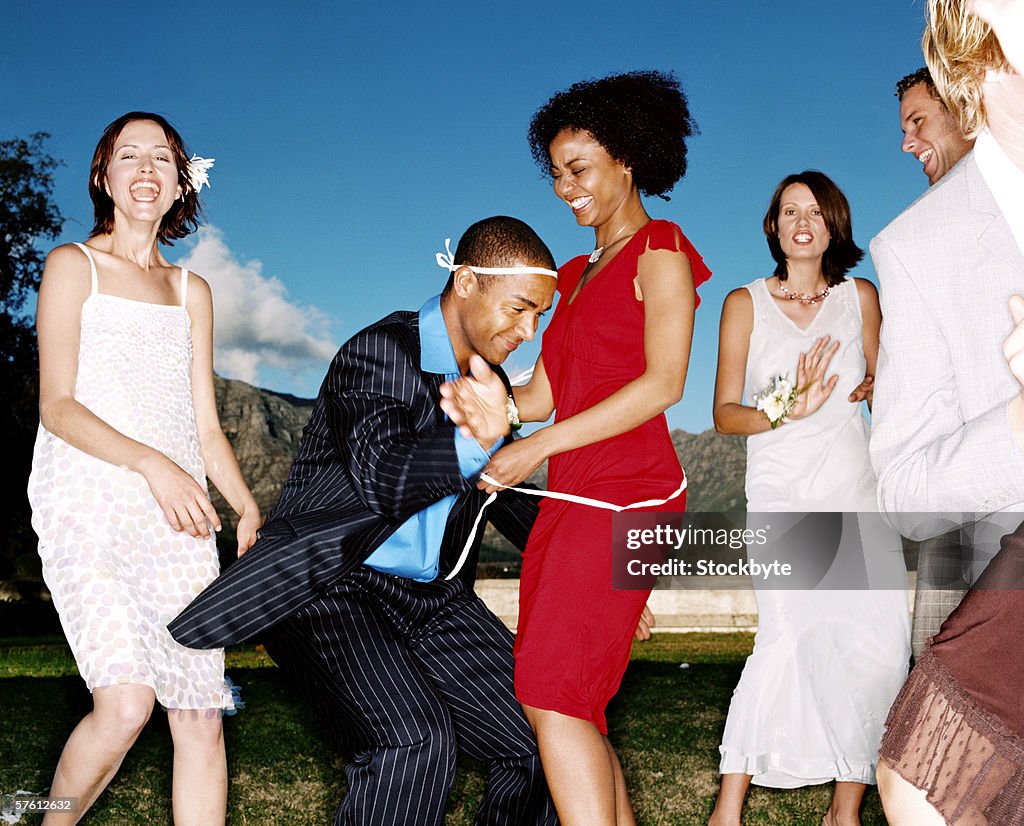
(865, 391)
(476, 404)
(1013, 347)
(1013, 351)
(643, 628)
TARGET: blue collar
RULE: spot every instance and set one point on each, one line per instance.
(436, 353)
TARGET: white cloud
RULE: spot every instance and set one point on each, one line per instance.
(256, 325)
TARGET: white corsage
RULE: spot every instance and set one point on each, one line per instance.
(777, 400)
(196, 171)
(512, 414)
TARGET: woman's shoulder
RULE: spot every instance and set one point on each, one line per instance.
(748, 300)
(661, 234)
(754, 285)
(857, 291)
(664, 234)
(68, 267)
(68, 255)
(741, 297)
(866, 290)
(864, 295)
(196, 283)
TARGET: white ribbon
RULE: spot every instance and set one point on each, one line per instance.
(554, 494)
(519, 379)
(447, 261)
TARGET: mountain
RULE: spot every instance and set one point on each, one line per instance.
(715, 468)
(264, 428)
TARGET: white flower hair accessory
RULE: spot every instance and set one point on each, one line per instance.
(196, 172)
(446, 261)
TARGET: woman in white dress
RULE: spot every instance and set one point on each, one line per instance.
(827, 664)
(128, 434)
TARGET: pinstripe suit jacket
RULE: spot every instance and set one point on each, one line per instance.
(377, 450)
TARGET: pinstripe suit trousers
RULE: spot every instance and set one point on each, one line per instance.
(407, 675)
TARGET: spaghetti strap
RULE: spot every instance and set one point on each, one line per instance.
(92, 264)
(184, 286)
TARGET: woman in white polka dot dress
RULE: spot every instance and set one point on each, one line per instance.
(128, 434)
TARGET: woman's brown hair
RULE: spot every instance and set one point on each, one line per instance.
(842, 254)
(183, 216)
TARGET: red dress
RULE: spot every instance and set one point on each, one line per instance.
(575, 632)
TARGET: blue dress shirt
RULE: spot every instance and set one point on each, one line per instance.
(414, 550)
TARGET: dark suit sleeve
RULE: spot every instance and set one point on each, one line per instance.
(513, 514)
(382, 414)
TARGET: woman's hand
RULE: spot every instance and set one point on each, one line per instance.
(514, 462)
(183, 501)
(248, 523)
(476, 404)
(810, 378)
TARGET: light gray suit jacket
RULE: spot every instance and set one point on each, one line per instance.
(941, 440)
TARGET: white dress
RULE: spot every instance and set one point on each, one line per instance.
(827, 663)
(117, 571)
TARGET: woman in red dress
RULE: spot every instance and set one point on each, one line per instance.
(614, 357)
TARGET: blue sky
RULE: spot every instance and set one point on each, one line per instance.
(351, 138)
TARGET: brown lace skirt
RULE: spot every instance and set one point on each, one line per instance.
(956, 730)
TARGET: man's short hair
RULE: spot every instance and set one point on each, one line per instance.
(922, 75)
(500, 241)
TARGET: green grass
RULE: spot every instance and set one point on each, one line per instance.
(666, 723)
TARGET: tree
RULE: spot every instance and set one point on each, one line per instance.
(28, 215)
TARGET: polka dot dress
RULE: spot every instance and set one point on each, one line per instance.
(117, 571)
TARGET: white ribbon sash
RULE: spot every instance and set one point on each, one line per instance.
(553, 494)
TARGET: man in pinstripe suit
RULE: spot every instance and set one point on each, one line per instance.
(346, 584)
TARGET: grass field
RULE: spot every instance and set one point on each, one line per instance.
(666, 723)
